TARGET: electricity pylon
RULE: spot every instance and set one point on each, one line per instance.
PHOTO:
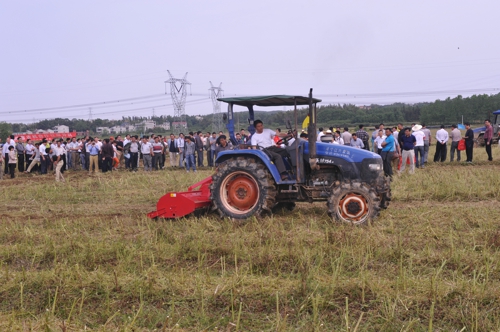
(216, 92)
(178, 95)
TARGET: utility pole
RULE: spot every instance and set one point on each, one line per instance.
(90, 114)
(178, 95)
(216, 92)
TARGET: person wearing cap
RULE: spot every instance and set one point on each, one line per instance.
(327, 137)
(419, 145)
(441, 141)
(469, 142)
(456, 136)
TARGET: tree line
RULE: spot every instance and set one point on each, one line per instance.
(474, 109)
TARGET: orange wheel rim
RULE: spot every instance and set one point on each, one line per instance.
(353, 207)
(240, 193)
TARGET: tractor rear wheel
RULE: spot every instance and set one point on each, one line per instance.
(353, 203)
(241, 188)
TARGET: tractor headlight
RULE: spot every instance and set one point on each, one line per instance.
(374, 167)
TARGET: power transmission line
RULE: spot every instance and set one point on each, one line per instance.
(81, 105)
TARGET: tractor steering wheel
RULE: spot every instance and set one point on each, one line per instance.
(284, 140)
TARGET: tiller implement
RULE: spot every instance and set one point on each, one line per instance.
(179, 204)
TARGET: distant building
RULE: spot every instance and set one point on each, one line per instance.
(41, 131)
(103, 130)
(145, 125)
(61, 129)
(179, 124)
(165, 125)
(117, 129)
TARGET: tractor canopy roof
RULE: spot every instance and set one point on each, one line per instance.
(273, 100)
(496, 112)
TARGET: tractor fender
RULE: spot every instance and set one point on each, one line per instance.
(256, 154)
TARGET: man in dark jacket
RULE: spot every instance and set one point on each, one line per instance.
(198, 141)
(469, 142)
(21, 151)
(107, 153)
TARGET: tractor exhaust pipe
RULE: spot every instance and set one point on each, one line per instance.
(311, 133)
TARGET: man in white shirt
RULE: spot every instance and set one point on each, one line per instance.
(30, 150)
(419, 145)
(456, 136)
(5, 150)
(44, 157)
(320, 134)
(147, 154)
(180, 146)
(58, 155)
(377, 142)
(72, 149)
(264, 139)
(441, 140)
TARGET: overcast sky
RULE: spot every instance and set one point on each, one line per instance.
(64, 53)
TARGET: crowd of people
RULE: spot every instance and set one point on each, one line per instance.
(398, 146)
(92, 154)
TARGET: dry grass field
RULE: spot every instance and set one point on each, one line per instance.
(83, 256)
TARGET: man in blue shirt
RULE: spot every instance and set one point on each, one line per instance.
(408, 143)
(388, 148)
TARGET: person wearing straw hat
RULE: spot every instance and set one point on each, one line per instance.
(327, 137)
(419, 145)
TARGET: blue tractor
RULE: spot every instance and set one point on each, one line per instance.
(496, 129)
(247, 183)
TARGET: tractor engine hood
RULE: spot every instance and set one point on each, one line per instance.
(345, 152)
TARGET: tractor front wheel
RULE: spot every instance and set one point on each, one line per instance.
(241, 188)
(353, 203)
